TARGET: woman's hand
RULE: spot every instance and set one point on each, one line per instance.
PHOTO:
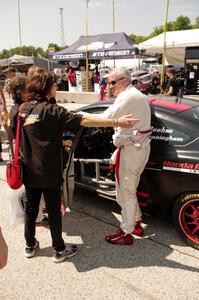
(127, 121)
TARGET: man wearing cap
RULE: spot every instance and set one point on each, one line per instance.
(10, 72)
(131, 156)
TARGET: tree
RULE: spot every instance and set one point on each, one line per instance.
(196, 25)
(5, 53)
(24, 50)
(56, 47)
(137, 38)
(182, 23)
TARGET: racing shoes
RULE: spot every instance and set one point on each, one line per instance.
(138, 230)
(120, 238)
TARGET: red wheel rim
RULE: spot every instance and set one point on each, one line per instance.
(189, 220)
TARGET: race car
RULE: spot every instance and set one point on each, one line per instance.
(169, 184)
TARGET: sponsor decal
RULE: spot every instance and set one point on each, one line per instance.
(112, 53)
(165, 134)
(95, 54)
(181, 167)
(188, 197)
(31, 119)
(65, 56)
(96, 46)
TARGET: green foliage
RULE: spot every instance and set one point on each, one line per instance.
(196, 25)
(29, 51)
(137, 38)
(56, 47)
(181, 23)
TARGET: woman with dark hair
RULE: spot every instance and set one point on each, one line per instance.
(18, 90)
(42, 126)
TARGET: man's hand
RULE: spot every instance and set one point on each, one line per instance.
(3, 251)
(127, 121)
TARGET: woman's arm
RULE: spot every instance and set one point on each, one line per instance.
(89, 120)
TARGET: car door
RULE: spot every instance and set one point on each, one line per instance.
(70, 141)
(170, 138)
(87, 158)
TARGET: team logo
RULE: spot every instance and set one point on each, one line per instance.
(31, 119)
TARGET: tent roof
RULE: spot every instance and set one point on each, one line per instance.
(176, 42)
(22, 62)
(112, 45)
(17, 60)
(174, 39)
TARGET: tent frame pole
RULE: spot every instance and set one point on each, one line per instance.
(164, 46)
(87, 45)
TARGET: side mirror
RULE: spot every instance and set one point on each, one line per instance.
(134, 81)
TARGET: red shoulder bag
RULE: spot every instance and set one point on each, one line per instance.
(13, 168)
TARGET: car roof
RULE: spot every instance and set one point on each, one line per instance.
(158, 102)
(168, 103)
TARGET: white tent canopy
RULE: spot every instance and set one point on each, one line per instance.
(176, 42)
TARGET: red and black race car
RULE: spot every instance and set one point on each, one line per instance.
(169, 185)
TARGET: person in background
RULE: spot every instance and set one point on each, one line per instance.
(42, 126)
(10, 73)
(103, 86)
(3, 118)
(155, 84)
(31, 71)
(72, 77)
(132, 153)
(172, 84)
(95, 77)
(3, 251)
(18, 89)
(180, 77)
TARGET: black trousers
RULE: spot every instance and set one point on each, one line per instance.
(53, 205)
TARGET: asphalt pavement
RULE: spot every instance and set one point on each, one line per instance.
(157, 266)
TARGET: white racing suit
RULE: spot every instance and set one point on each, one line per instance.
(132, 153)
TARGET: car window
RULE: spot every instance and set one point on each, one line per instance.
(169, 133)
(146, 78)
(91, 138)
(191, 114)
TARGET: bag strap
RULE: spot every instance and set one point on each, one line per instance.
(16, 152)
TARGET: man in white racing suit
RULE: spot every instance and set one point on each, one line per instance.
(131, 156)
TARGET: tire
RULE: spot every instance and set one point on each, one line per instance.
(186, 218)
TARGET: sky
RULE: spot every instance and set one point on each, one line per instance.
(41, 25)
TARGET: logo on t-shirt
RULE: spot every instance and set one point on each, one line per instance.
(31, 119)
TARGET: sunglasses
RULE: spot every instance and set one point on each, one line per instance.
(113, 82)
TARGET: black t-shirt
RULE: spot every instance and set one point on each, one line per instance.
(172, 82)
(13, 119)
(41, 142)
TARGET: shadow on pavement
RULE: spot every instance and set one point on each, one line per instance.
(94, 252)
